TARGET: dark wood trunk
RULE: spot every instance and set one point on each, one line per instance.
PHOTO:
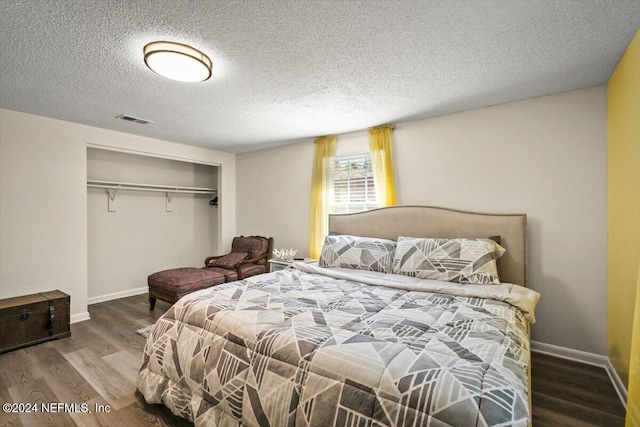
(32, 319)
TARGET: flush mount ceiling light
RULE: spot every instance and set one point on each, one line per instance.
(177, 61)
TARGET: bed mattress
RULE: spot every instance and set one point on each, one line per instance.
(313, 346)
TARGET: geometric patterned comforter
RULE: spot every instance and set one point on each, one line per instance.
(296, 349)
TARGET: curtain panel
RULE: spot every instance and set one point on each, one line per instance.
(382, 165)
(323, 157)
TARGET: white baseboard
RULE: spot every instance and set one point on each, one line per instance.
(570, 354)
(79, 317)
(584, 357)
(117, 295)
(617, 383)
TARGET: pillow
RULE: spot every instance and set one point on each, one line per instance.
(466, 261)
(359, 253)
(229, 261)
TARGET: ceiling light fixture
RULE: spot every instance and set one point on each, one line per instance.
(177, 61)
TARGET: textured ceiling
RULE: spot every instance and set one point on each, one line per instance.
(292, 70)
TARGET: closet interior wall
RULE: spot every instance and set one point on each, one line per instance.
(141, 237)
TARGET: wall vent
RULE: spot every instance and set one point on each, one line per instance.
(133, 119)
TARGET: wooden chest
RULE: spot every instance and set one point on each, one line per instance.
(32, 319)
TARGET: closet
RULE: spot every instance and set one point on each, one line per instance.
(145, 214)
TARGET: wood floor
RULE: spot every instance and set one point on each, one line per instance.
(99, 363)
(567, 393)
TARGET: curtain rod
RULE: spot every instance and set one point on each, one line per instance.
(360, 132)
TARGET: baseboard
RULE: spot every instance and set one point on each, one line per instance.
(80, 317)
(570, 354)
(117, 295)
(584, 357)
(617, 383)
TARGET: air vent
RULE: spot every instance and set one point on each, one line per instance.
(133, 119)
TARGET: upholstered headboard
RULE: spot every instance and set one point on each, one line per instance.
(428, 221)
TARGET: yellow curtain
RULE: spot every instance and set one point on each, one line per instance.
(382, 165)
(324, 152)
(633, 396)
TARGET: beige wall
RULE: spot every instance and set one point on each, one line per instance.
(544, 156)
(43, 200)
(273, 194)
(141, 237)
(274, 189)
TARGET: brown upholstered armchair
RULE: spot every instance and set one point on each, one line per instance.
(248, 257)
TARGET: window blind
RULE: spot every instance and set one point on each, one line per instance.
(353, 187)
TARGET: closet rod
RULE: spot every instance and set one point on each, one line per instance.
(149, 187)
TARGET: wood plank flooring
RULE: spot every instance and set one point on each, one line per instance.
(99, 363)
(568, 393)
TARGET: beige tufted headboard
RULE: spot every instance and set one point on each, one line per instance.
(427, 221)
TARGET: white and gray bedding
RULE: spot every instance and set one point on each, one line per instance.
(329, 347)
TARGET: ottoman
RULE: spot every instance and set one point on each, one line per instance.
(171, 285)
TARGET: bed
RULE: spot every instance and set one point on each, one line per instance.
(335, 344)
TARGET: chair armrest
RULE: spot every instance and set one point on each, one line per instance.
(211, 258)
(252, 260)
(248, 261)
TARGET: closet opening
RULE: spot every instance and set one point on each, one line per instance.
(146, 214)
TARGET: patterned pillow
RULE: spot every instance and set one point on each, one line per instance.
(358, 253)
(230, 261)
(466, 261)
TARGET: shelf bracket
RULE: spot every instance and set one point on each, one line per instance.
(111, 199)
(169, 199)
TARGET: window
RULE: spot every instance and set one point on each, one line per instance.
(353, 189)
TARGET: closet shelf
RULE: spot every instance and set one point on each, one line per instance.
(149, 187)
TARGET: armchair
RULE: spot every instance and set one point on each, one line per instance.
(248, 257)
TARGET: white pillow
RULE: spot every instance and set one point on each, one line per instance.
(358, 253)
(466, 261)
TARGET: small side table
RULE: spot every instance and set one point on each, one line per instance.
(280, 264)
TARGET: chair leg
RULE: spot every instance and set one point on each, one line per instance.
(152, 303)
